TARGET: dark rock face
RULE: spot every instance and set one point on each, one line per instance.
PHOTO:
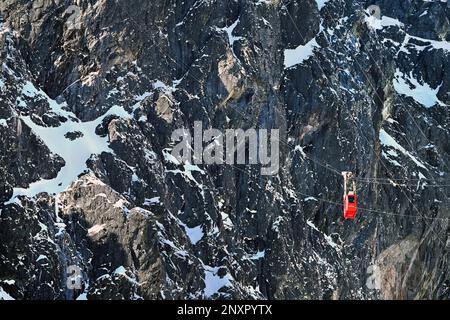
(86, 115)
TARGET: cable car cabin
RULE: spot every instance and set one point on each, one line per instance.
(350, 206)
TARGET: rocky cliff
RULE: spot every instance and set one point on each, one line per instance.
(91, 91)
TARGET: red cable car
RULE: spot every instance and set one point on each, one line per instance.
(350, 197)
(350, 205)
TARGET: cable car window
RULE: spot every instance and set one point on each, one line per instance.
(351, 199)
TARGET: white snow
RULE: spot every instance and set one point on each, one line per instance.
(422, 93)
(82, 297)
(261, 2)
(444, 1)
(4, 295)
(30, 91)
(388, 141)
(266, 23)
(298, 55)
(195, 234)
(120, 204)
(374, 277)
(299, 148)
(231, 37)
(424, 13)
(213, 282)
(227, 223)
(41, 257)
(3, 123)
(427, 44)
(112, 93)
(187, 173)
(152, 201)
(229, 30)
(444, 45)
(190, 168)
(96, 229)
(121, 270)
(258, 255)
(159, 85)
(389, 156)
(328, 239)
